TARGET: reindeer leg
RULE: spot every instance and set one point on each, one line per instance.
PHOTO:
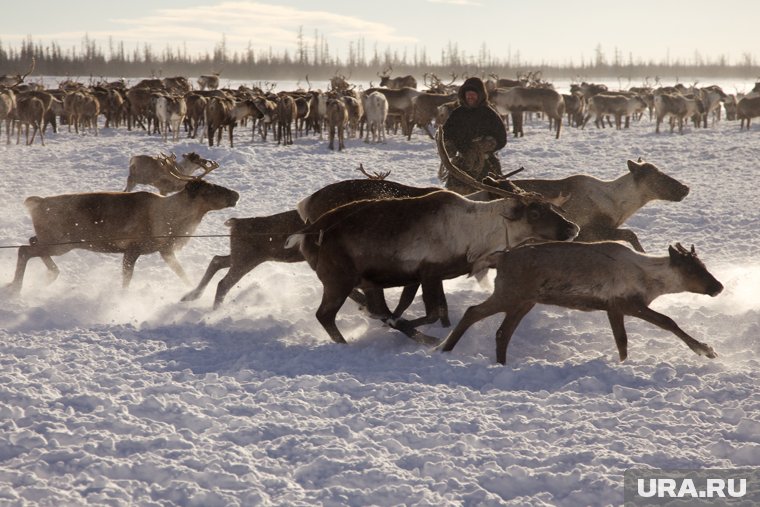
(378, 309)
(359, 298)
(629, 236)
(169, 257)
(435, 303)
(615, 316)
(233, 276)
(333, 297)
(128, 267)
(591, 232)
(217, 262)
(53, 270)
(407, 296)
(24, 254)
(507, 329)
(663, 321)
(472, 315)
(376, 305)
(411, 331)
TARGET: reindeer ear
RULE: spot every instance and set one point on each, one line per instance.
(673, 253)
(678, 252)
(632, 166)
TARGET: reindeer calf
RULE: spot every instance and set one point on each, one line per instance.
(252, 241)
(589, 276)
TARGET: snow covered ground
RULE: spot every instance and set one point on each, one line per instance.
(112, 397)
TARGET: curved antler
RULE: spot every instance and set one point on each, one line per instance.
(208, 166)
(31, 68)
(463, 176)
(376, 176)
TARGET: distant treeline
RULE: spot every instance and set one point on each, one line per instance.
(91, 61)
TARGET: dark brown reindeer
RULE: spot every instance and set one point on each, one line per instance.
(603, 276)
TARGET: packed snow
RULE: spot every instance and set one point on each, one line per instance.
(131, 397)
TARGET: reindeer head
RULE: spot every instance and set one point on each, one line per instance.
(693, 272)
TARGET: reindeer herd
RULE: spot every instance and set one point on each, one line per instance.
(345, 110)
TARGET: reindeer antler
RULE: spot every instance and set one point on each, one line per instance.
(375, 176)
(172, 169)
(466, 178)
(31, 68)
(208, 166)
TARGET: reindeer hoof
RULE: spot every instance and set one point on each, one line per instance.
(12, 289)
(706, 350)
(405, 327)
(190, 296)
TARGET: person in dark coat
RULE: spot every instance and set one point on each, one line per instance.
(472, 134)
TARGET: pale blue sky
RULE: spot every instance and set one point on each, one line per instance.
(536, 30)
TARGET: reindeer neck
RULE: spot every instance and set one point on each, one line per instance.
(661, 278)
(625, 197)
